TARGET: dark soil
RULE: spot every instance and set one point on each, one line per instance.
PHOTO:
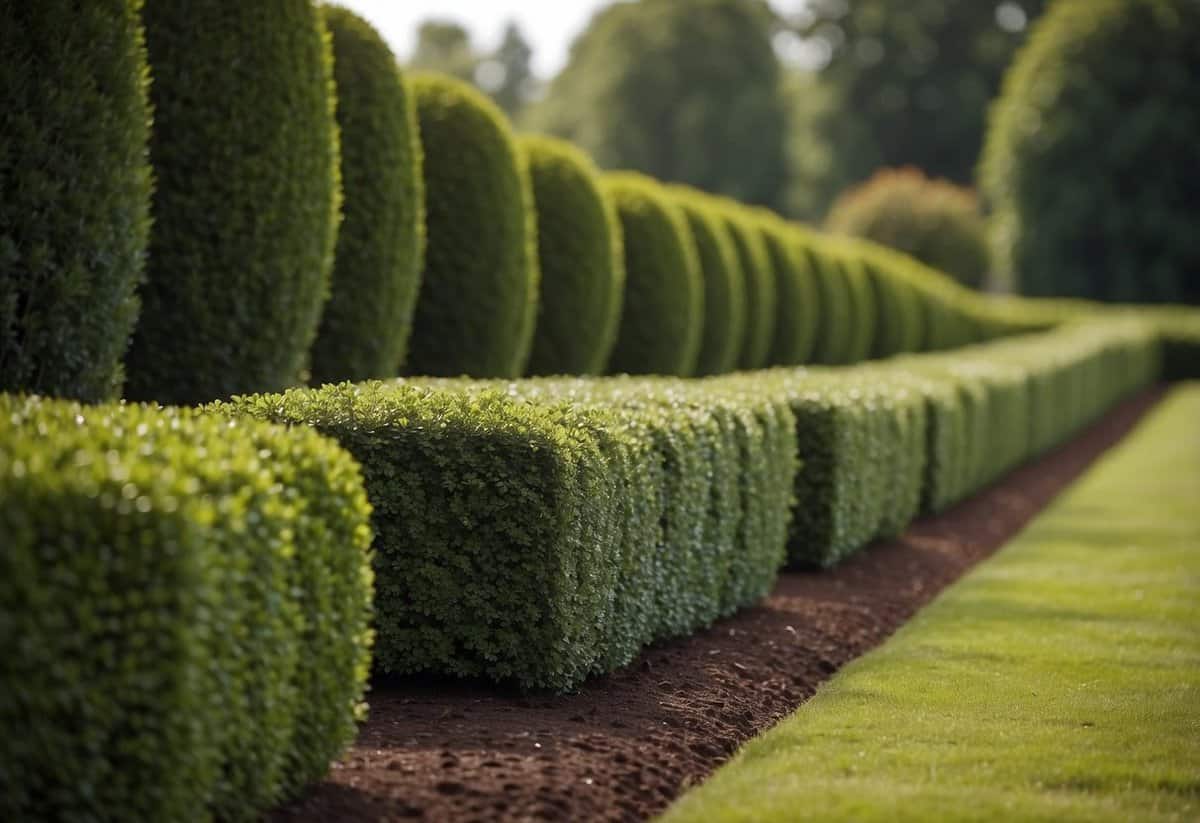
(627, 744)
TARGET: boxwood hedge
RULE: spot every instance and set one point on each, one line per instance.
(582, 260)
(245, 154)
(759, 280)
(377, 265)
(76, 183)
(545, 530)
(796, 296)
(724, 288)
(184, 605)
(836, 316)
(478, 301)
(662, 315)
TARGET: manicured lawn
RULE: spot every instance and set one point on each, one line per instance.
(1058, 681)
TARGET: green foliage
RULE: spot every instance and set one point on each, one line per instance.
(863, 311)
(377, 267)
(184, 608)
(581, 258)
(685, 90)
(861, 442)
(245, 150)
(527, 538)
(724, 289)
(478, 302)
(1085, 628)
(935, 221)
(836, 314)
(797, 301)
(907, 84)
(1090, 164)
(662, 315)
(76, 193)
(759, 280)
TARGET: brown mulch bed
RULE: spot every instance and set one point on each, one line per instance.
(626, 744)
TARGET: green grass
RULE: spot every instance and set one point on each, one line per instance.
(1058, 681)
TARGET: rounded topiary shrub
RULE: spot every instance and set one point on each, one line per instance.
(724, 290)
(935, 221)
(1090, 163)
(74, 193)
(377, 265)
(835, 314)
(758, 281)
(478, 303)
(796, 299)
(900, 310)
(581, 260)
(662, 315)
(864, 309)
(245, 152)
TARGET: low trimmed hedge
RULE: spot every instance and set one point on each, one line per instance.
(662, 315)
(184, 605)
(546, 530)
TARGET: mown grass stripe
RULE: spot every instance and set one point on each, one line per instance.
(1058, 681)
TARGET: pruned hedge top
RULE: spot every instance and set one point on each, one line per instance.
(245, 156)
(662, 317)
(477, 307)
(365, 328)
(581, 257)
(724, 283)
(76, 193)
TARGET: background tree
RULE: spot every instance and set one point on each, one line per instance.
(908, 82)
(685, 90)
(1091, 165)
(508, 75)
(445, 46)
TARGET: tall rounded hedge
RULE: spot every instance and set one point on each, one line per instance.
(245, 151)
(724, 289)
(377, 264)
(476, 311)
(836, 309)
(935, 221)
(74, 193)
(865, 309)
(900, 317)
(796, 296)
(581, 258)
(1090, 163)
(662, 317)
(758, 278)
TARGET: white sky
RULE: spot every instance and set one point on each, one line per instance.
(549, 25)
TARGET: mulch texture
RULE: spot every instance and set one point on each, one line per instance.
(627, 744)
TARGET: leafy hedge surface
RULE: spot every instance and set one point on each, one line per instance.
(1112, 218)
(76, 193)
(836, 315)
(582, 260)
(245, 155)
(759, 280)
(478, 302)
(377, 268)
(527, 538)
(724, 325)
(184, 606)
(662, 316)
(796, 295)
(542, 530)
